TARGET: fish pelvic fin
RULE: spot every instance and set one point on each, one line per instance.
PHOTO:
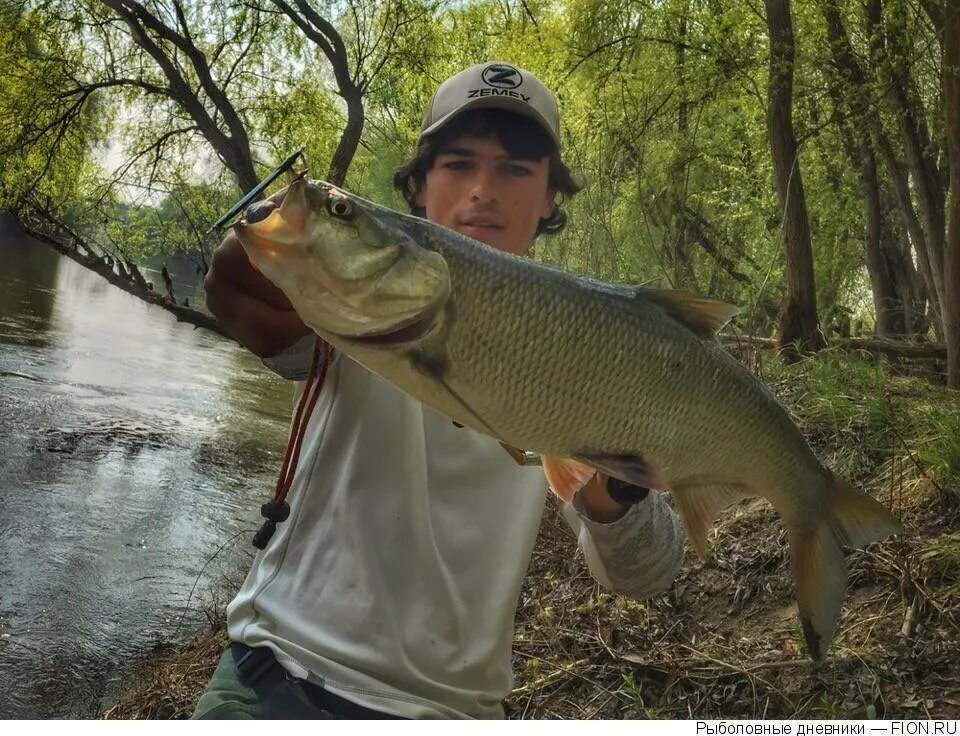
(702, 316)
(565, 476)
(628, 468)
(819, 570)
(699, 506)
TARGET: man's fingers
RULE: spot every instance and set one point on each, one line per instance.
(259, 327)
(230, 263)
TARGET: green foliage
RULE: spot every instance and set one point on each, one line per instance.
(837, 389)
(179, 222)
(38, 158)
(849, 406)
(663, 110)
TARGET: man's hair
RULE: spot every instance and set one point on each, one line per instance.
(520, 136)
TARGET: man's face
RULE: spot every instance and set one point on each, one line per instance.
(475, 188)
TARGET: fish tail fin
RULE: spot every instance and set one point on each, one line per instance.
(819, 570)
(820, 576)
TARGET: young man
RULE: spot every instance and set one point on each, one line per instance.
(391, 589)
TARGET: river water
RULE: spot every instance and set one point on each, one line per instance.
(131, 448)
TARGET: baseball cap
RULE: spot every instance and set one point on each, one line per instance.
(493, 84)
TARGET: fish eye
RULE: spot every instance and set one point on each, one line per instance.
(340, 206)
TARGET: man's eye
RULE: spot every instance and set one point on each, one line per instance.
(518, 170)
(456, 165)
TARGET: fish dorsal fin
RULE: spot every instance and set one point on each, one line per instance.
(702, 316)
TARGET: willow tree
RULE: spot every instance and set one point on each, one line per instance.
(179, 86)
(899, 294)
(45, 136)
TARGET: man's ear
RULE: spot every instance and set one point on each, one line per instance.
(421, 194)
(549, 200)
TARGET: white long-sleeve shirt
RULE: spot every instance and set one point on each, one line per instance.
(395, 581)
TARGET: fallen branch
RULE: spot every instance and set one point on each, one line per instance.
(47, 229)
(899, 348)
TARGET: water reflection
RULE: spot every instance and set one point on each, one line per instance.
(131, 448)
(26, 300)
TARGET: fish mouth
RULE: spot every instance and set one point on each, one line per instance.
(411, 331)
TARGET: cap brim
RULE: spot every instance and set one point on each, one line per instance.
(501, 103)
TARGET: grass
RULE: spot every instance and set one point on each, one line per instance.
(942, 453)
(940, 558)
(842, 402)
(632, 693)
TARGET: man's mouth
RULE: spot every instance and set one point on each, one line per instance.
(481, 225)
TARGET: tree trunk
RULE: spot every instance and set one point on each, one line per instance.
(46, 228)
(887, 302)
(349, 139)
(898, 348)
(951, 102)
(896, 252)
(683, 274)
(149, 31)
(927, 187)
(798, 318)
(892, 275)
(899, 179)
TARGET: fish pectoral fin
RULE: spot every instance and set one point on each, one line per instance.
(628, 468)
(820, 576)
(699, 506)
(434, 367)
(704, 317)
(566, 476)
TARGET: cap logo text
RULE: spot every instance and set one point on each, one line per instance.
(487, 92)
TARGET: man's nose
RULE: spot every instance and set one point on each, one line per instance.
(484, 185)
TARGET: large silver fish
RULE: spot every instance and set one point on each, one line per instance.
(628, 380)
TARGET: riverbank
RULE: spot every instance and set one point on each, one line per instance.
(724, 641)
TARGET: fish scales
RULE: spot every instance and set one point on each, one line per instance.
(606, 372)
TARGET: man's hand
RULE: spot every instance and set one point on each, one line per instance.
(247, 305)
(597, 503)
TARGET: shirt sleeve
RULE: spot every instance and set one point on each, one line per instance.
(639, 554)
(294, 362)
